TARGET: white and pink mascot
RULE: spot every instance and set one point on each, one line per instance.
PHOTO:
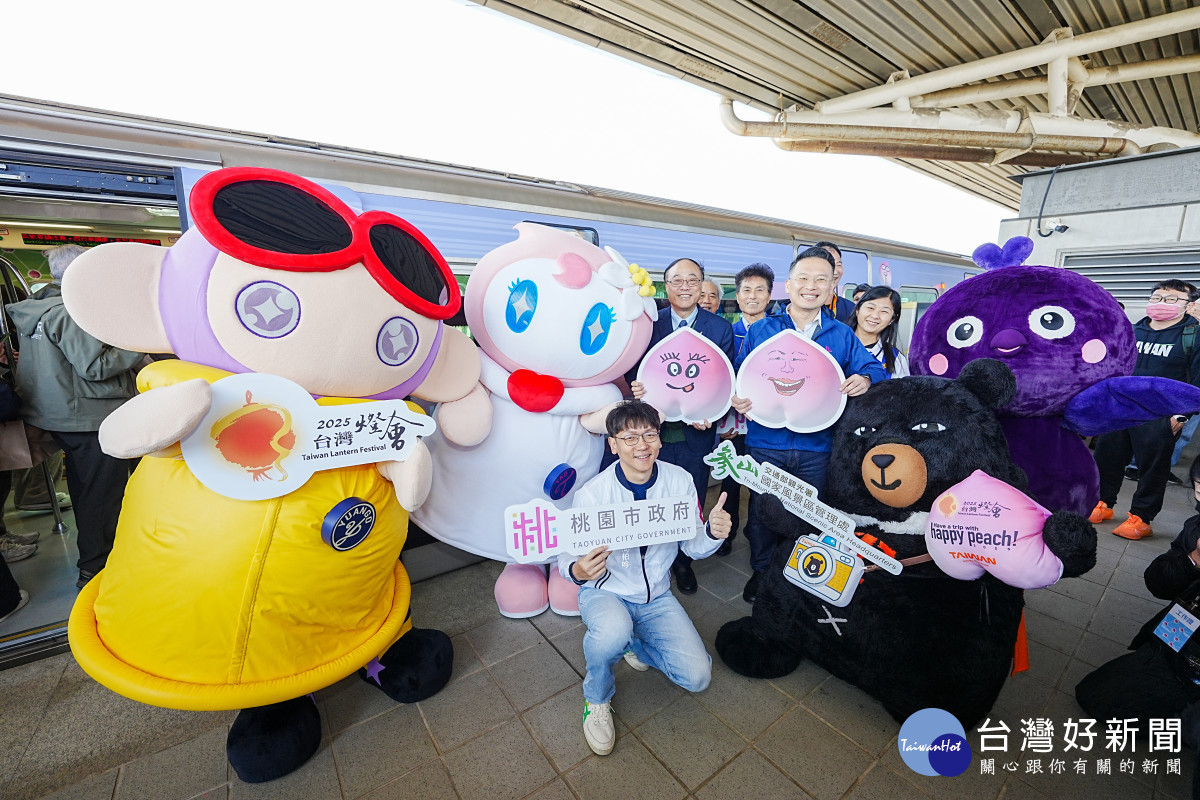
(557, 320)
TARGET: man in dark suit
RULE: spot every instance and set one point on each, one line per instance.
(686, 445)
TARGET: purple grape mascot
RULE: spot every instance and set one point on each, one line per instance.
(1072, 350)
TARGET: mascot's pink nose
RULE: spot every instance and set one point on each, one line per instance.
(1008, 341)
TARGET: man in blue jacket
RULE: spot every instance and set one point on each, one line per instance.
(805, 455)
(687, 445)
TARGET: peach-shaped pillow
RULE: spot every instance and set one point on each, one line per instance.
(982, 525)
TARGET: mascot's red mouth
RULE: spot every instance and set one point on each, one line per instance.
(687, 388)
(785, 387)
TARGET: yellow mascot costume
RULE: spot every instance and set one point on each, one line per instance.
(210, 602)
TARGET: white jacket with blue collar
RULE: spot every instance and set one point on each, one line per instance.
(632, 574)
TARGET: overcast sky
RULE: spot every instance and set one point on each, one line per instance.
(450, 81)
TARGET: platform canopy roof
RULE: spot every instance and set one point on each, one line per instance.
(968, 91)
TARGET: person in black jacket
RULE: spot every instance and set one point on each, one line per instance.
(686, 445)
(1154, 681)
(1166, 348)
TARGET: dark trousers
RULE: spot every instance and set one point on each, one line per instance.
(682, 454)
(96, 482)
(1151, 443)
(1144, 685)
(9, 596)
(733, 489)
(806, 465)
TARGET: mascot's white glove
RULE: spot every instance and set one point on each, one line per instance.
(154, 421)
(411, 478)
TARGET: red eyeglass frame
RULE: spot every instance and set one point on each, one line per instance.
(200, 204)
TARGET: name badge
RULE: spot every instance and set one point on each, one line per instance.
(1177, 627)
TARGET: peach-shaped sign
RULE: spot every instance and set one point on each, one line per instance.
(792, 383)
(982, 525)
(687, 378)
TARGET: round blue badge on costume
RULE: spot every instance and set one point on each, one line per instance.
(348, 523)
(559, 481)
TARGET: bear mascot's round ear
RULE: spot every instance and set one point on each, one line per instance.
(989, 380)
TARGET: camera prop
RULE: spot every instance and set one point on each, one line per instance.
(817, 564)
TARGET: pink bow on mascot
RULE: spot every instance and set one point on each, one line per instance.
(558, 319)
(212, 602)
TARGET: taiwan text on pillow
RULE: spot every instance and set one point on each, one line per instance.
(984, 525)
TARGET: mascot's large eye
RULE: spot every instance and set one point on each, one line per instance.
(268, 309)
(674, 369)
(693, 370)
(929, 427)
(397, 341)
(965, 332)
(596, 325)
(864, 430)
(522, 304)
(1051, 322)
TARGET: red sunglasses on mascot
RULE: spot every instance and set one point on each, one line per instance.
(277, 220)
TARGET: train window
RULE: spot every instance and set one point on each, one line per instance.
(587, 234)
(914, 302)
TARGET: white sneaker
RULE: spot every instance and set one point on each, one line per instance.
(16, 552)
(20, 538)
(632, 660)
(598, 727)
(20, 604)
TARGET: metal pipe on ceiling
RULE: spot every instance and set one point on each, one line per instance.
(980, 120)
(929, 152)
(993, 140)
(1023, 87)
(1035, 56)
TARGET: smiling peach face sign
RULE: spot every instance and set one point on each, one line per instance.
(687, 378)
(792, 383)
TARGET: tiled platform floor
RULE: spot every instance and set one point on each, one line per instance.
(508, 726)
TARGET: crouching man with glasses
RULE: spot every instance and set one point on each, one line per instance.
(625, 596)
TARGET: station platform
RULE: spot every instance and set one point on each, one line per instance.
(509, 723)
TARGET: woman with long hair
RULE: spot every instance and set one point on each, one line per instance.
(875, 321)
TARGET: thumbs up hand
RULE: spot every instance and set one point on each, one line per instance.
(719, 521)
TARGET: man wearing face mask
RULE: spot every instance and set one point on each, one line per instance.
(1166, 349)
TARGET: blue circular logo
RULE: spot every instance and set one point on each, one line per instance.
(933, 742)
(559, 482)
(347, 524)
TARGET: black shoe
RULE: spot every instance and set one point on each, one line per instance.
(750, 593)
(1131, 473)
(685, 579)
(726, 548)
(84, 578)
(1173, 479)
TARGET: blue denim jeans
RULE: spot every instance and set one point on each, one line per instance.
(808, 466)
(660, 633)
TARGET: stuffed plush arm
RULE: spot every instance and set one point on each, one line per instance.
(1073, 539)
(1115, 404)
(411, 478)
(467, 421)
(152, 422)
